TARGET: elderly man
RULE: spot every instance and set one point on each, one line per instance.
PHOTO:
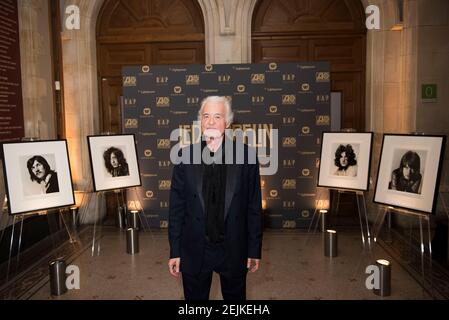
(215, 220)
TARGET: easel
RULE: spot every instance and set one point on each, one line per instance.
(382, 213)
(446, 211)
(19, 218)
(120, 204)
(361, 206)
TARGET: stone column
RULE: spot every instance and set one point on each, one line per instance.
(81, 96)
(228, 30)
(35, 60)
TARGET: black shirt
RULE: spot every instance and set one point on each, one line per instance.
(214, 188)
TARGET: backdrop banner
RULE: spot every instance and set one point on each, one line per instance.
(285, 105)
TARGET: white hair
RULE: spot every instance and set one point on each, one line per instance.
(220, 99)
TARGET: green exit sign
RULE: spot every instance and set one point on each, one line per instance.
(429, 93)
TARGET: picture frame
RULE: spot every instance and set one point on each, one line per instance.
(345, 160)
(37, 176)
(409, 171)
(121, 170)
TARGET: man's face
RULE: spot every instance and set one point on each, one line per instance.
(407, 172)
(114, 160)
(38, 170)
(343, 159)
(213, 122)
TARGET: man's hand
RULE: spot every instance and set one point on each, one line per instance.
(253, 264)
(173, 266)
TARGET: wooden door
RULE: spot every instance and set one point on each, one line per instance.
(138, 32)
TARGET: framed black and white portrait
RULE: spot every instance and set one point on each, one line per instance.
(37, 176)
(409, 171)
(114, 161)
(345, 160)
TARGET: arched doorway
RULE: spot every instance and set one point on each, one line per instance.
(329, 30)
(319, 30)
(136, 32)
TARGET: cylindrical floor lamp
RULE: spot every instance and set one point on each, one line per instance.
(384, 278)
(132, 241)
(57, 277)
(330, 244)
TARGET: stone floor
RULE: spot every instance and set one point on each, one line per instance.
(293, 267)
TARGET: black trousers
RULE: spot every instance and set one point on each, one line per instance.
(197, 287)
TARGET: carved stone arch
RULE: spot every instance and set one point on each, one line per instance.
(308, 16)
(329, 30)
(176, 19)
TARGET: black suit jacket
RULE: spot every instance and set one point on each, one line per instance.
(242, 215)
(53, 184)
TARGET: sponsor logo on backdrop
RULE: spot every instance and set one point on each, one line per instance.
(208, 67)
(162, 101)
(306, 110)
(323, 120)
(129, 81)
(289, 224)
(288, 120)
(164, 164)
(305, 172)
(288, 99)
(163, 204)
(161, 80)
(257, 99)
(163, 224)
(241, 88)
(307, 195)
(288, 204)
(192, 79)
(145, 69)
(306, 153)
(289, 184)
(163, 122)
(288, 77)
(273, 193)
(273, 66)
(273, 109)
(288, 163)
(289, 142)
(130, 102)
(305, 213)
(258, 78)
(131, 123)
(193, 100)
(224, 78)
(322, 76)
(163, 143)
(322, 98)
(148, 153)
(305, 131)
(177, 89)
(164, 184)
(149, 194)
(305, 87)
(146, 111)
